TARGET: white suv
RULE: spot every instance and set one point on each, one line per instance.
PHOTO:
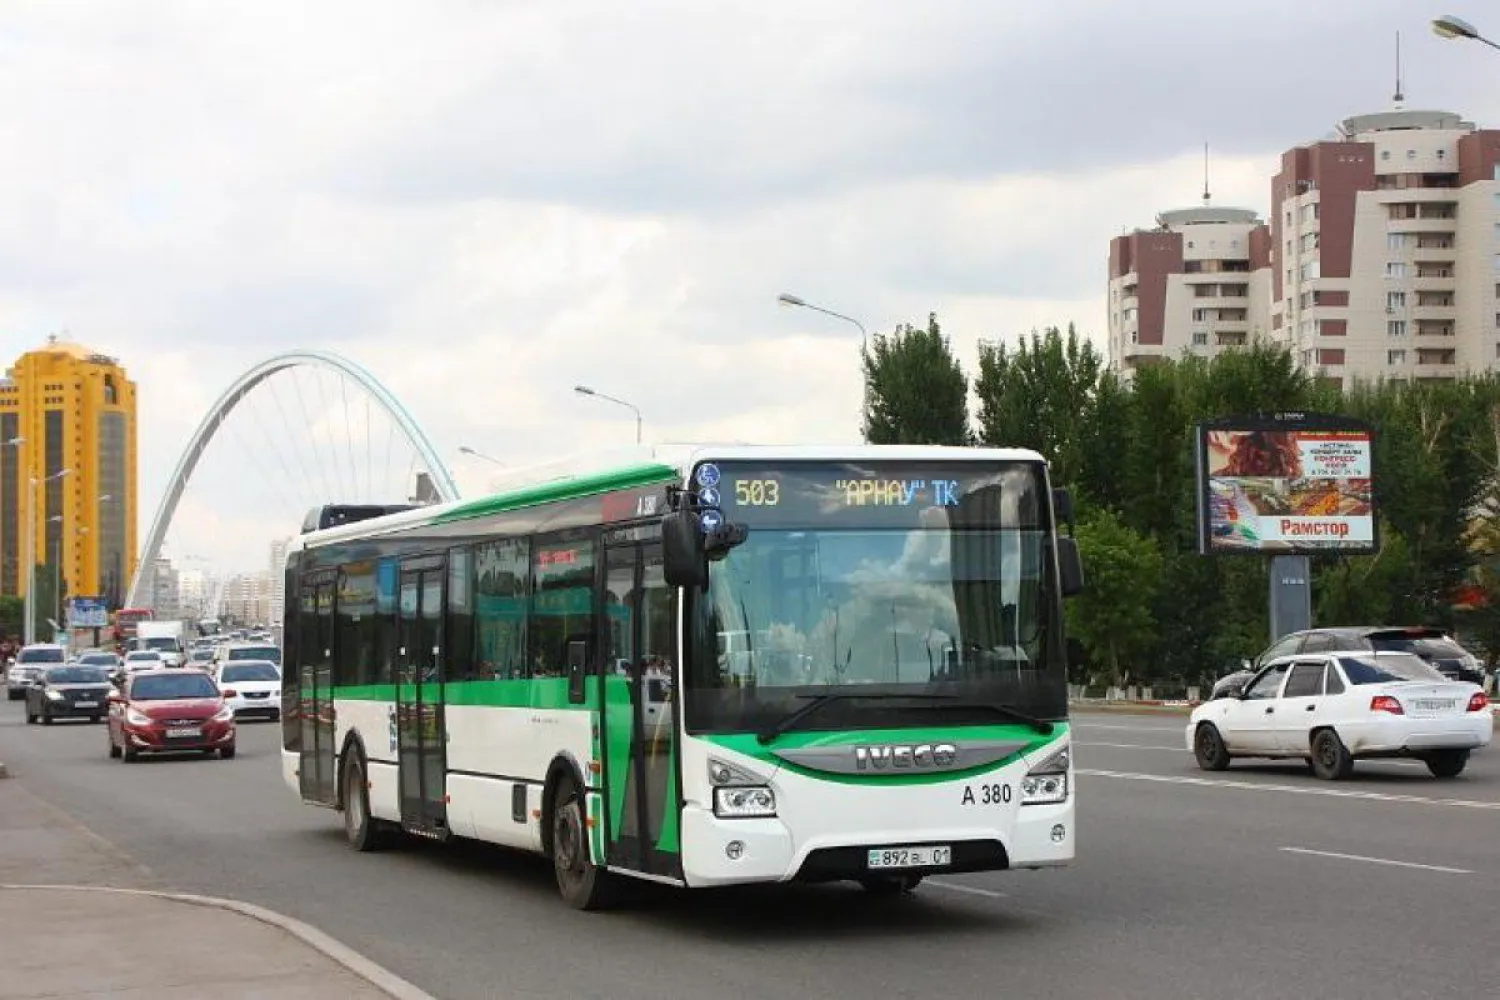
(29, 664)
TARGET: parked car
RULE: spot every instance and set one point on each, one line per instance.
(1332, 709)
(1431, 644)
(71, 691)
(170, 710)
(251, 688)
(30, 662)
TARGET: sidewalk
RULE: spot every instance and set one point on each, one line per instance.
(80, 919)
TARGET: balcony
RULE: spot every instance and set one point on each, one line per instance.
(1436, 358)
(1434, 314)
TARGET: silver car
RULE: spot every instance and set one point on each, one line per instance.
(28, 666)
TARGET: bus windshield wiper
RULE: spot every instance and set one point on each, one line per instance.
(790, 720)
(1041, 726)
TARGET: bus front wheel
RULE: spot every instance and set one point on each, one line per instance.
(583, 884)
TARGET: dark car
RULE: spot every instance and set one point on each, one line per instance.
(1431, 644)
(74, 691)
(169, 710)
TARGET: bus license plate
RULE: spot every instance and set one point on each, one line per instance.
(910, 857)
(177, 734)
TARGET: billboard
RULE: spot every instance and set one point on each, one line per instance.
(88, 612)
(1286, 484)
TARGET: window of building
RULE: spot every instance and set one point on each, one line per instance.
(1202, 315)
(1385, 154)
(1200, 338)
(1397, 357)
(1496, 262)
(1394, 301)
(1395, 241)
(1395, 328)
(1442, 154)
(1395, 269)
(1411, 154)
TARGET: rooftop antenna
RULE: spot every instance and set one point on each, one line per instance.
(1205, 175)
(1398, 97)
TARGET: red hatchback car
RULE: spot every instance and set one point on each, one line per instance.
(170, 711)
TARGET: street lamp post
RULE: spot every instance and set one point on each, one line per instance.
(788, 299)
(30, 623)
(1451, 27)
(584, 390)
(796, 301)
(464, 449)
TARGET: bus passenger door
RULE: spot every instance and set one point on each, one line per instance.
(315, 681)
(420, 753)
(638, 702)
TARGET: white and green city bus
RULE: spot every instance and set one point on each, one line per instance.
(702, 667)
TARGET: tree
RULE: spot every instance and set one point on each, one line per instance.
(916, 391)
(1113, 618)
(1042, 394)
(12, 615)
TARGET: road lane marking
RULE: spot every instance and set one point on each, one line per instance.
(971, 890)
(1376, 861)
(1128, 746)
(1339, 793)
(1134, 729)
(1269, 760)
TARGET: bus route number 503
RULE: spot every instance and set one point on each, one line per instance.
(986, 795)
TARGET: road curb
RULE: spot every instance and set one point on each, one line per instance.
(376, 975)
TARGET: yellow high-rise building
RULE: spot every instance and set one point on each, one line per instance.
(68, 462)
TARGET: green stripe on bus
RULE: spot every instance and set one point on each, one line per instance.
(563, 489)
(749, 745)
(549, 692)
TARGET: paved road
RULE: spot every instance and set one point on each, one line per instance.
(1262, 882)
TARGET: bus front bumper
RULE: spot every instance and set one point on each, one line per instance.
(717, 852)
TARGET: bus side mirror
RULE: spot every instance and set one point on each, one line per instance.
(1069, 567)
(684, 558)
(1062, 508)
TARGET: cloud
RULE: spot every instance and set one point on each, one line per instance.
(488, 203)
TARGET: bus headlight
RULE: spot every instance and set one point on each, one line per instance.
(744, 802)
(1047, 782)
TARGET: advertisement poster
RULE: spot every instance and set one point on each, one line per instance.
(1283, 490)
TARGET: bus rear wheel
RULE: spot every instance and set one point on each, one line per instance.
(363, 831)
(583, 884)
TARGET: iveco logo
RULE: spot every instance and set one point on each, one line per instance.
(912, 757)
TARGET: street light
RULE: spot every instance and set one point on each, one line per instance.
(1451, 27)
(788, 299)
(464, 449)
(30, 623)
(584, 390)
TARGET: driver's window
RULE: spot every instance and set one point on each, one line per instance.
(1268, 683)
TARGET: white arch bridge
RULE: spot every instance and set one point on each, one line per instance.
(375, 395)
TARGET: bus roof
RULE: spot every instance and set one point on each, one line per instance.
(588, 475)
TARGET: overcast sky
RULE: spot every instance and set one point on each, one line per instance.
(485, 201)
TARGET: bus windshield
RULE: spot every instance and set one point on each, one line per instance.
(896, 580)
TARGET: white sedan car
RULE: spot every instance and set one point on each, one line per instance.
(251, 688)
(1332, 709)
(143, 659)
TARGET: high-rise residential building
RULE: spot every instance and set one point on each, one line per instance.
(1197, 283)
(166, 593)
(68, 471)
(247, 599)
(276, 611)
(1387, 248)
(1381, 259)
